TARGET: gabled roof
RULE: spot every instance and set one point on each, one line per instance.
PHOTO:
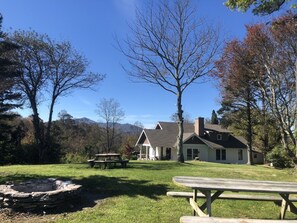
(165, 134)
(216, 128)
(157, 137)
(232, 142)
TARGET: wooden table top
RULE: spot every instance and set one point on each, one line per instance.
(223, 184)
(107, 154)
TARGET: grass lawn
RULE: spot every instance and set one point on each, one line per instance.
(138, 193)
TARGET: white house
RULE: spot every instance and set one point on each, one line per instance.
(206, 142)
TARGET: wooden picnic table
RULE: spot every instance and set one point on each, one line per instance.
(107, 159)
(220, 185)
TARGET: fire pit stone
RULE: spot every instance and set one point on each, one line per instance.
(37, 194)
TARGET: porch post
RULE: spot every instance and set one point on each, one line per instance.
(146, 152)
(140, 152)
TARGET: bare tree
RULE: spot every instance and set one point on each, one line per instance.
(171, 48)
(33, 66)
(110, 111)
(67, 72)
(48, 66)
(186, 117)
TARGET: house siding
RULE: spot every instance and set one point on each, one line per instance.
(164, 135)
(173, 153)
(231, 156)
(202, 148)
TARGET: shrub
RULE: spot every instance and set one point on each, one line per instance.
(279, 158)
(74, 158)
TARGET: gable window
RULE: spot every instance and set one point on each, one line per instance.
(219, 137)
(192, 154)
(240, 154)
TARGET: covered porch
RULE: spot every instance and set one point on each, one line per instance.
(146, 152)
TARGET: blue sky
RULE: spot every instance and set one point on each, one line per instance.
(90, 25)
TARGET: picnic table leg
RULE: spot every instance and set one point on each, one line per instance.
(92, 163)
(284, 206)
(208, 197)
(193, 203)
(287, 205)
(195, 199)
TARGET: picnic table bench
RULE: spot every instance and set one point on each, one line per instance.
(213, 188)
(232, 196)
(192, 219)
(106, 159)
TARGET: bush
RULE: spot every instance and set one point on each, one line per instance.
(279, 158)
(74, 158)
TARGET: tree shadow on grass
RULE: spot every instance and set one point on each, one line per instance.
(95, 189)
(117, 186)
(158, 165)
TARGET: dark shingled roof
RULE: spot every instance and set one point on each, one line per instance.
(166, 133)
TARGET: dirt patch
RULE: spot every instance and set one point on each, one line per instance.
(9, 216)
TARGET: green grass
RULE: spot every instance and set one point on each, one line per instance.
(138, 193)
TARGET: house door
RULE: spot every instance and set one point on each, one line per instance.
(168, 153)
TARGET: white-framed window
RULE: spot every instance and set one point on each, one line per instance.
(192, 153)
(219, 137)
(220, 154)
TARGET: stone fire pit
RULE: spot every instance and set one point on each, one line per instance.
(36, 194)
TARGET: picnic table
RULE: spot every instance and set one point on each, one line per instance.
(106, 159)
(219, 185)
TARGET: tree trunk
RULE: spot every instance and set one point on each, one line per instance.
(296, 107)
(49, 124)
(107, 138)
(249, 134)
(180, 154)
(38, 132)
(265, 128)
(285, 142)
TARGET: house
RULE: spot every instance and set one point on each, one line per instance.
(206, 142)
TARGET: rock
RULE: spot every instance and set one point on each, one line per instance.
(41, 193)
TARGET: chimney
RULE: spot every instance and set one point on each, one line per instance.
(199, 126)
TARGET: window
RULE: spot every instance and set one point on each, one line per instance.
(223, 154)
(192, 154)
(168, 153)
(195, 153)
(255, 155)
(218, 154)
(219, 136)
(189, 154)
(240, 154)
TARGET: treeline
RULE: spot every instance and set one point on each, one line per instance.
(72, 141)
(258, 88)
(34, 68)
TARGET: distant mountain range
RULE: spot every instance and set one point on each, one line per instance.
(125, 128)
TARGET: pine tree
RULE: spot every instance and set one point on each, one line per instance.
(8, 97)
(214, 118)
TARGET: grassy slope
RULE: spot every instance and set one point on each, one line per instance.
(138, 193)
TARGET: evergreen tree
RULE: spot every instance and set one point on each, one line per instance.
(214, 118)
(8, 98)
